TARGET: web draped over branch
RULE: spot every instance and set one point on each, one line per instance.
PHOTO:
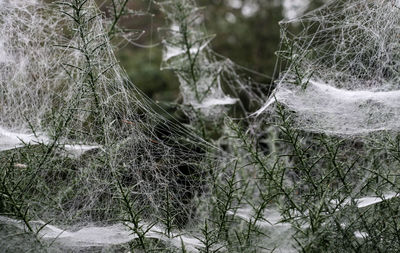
(210, 84)
(343, 77)
(83, 135)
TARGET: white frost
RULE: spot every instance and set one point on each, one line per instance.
(77, 150)
(11, 140)
(14, 139)
(172, 51)
(210, 102)
(324, 108)
(280, 233)
(108, 235)
(368, 201)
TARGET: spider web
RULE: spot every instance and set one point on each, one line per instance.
(344, 72)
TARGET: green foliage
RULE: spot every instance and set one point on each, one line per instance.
(258, 180)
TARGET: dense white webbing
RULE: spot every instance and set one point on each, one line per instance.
(344, 72)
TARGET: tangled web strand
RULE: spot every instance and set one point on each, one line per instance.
(83, 136)
(344, 72)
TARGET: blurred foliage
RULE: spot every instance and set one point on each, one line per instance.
(249, 39)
